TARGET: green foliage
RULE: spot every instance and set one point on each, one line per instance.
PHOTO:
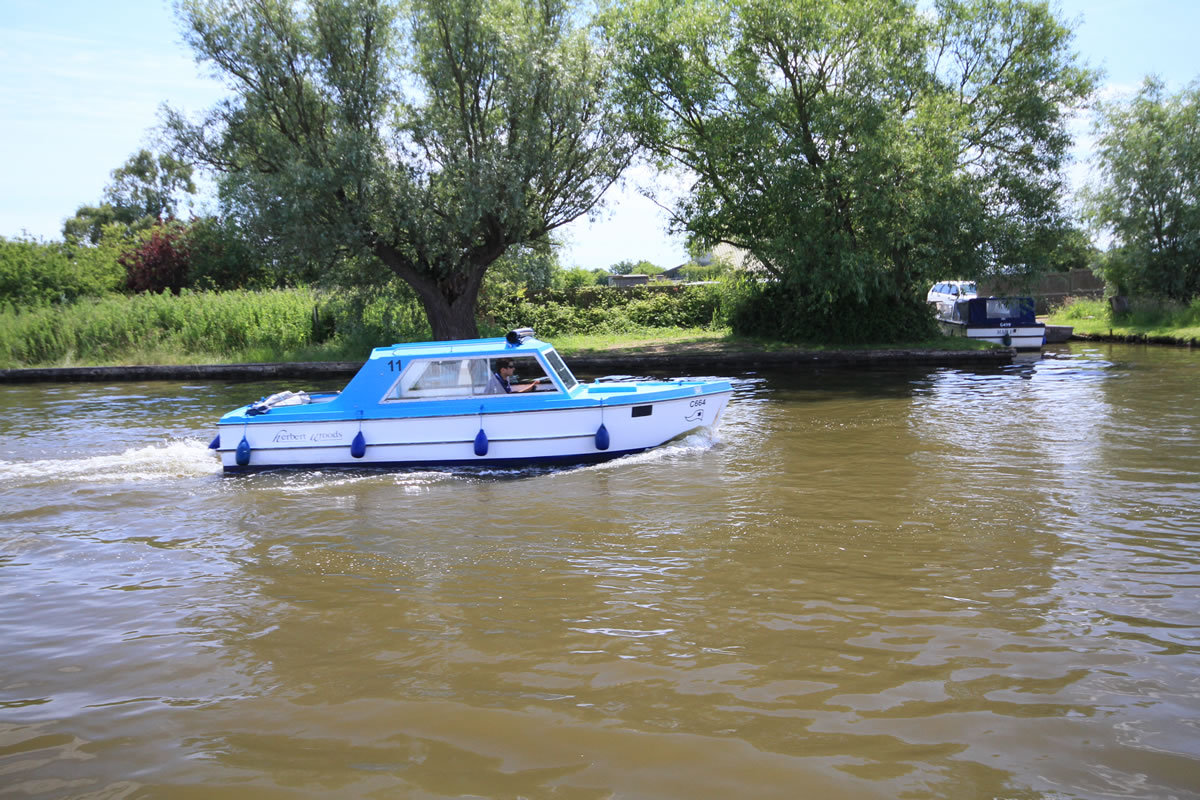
(1122, 272)
(703, 272)
(145, 189)
(1160, 315)
(430, 139)
(189, 322)
(1148, 194)
(773, 310)
(34, 272)
(223, 256)
(149, 185)
(373, 316)
(1147, 316)
(531, 267)
(285, 324)
(642, 267)
(600, 309)
(859, 149)
(577, 278)
(1081, 310)
(1074, 250)
(100, 263)
(85, 227)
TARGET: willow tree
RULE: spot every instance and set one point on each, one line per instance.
(429, 138)
(858, 148)
(1146, 195)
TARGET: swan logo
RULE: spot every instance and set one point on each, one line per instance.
(695, 416)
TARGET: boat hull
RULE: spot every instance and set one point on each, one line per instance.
(1057, 334)
(1023, 337)
(493, 438)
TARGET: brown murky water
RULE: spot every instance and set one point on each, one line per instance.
(914, 583)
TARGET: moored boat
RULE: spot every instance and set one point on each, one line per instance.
(1010, 321)
(461, 402)
(1057, 334)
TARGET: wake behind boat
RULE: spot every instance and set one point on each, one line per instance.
(505, 401)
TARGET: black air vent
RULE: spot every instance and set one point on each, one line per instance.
(643, 411)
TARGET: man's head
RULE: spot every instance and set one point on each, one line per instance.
(504, 364)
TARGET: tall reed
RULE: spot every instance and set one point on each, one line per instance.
(281, 324)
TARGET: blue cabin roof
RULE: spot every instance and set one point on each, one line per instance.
(500, 346)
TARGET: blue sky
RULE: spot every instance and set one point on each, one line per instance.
(81, 84)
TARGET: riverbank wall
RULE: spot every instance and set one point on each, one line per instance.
(1135, 338)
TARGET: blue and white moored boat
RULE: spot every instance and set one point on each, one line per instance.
(449, 403)
(1009, 321)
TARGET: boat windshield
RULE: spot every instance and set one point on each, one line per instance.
(1005, 308)
(556, 363)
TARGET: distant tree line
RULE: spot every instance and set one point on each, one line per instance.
(858, 150)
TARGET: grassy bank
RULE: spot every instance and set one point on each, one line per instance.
(301, 325)
(1146, 318)
(202, 327)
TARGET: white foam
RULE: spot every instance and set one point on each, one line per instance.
(693, 442)
(173, 459)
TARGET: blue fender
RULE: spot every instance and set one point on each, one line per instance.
(243, 453)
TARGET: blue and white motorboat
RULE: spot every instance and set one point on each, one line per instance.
(453, 403)
(1010, 321)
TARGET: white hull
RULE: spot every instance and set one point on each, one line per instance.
(1021, 338)
(511, 437)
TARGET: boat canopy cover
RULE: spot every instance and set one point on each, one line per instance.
(996, 311)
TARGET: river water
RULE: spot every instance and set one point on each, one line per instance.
(920, 583)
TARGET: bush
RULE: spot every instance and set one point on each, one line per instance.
(222, 257)
(1080, 308)
(160, 260)
(577, 277)
(33, 272)
(601, 309)
(770, 310)
(361, 319)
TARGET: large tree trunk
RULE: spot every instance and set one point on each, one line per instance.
(451, 319)
(449, 302)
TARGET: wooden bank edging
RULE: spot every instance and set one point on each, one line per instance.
(1134, 338)
(707, 363)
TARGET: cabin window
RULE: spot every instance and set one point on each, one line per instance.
(642, 411)
(1006, 308)
(429, 379)
(560, 369)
